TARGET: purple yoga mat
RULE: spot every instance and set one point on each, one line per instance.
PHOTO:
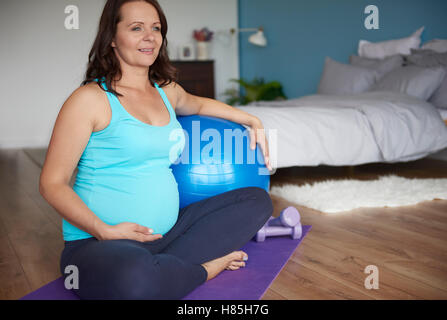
(265, 261)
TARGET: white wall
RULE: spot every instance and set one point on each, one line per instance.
(43, 63)
(219, 16)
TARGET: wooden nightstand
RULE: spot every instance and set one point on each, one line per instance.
(196, 77)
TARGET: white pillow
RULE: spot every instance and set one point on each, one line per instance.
(438, 45)
(380, 50)
(439, 97)
(340, 78)
(412, 80)
(382, 66)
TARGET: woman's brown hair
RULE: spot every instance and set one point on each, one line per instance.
(102, 61)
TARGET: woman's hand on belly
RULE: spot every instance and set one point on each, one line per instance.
(128, 230)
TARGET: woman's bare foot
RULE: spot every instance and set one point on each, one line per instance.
(232, 261)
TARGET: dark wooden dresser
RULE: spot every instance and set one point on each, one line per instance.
(196, 77)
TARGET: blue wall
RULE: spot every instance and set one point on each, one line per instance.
(301, 33)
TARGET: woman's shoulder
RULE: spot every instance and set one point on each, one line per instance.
(172, 92)
(90, 90)
(90, 96)
(91, 101)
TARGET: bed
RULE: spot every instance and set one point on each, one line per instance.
(350, 130)
(375, 109)
(443, 114)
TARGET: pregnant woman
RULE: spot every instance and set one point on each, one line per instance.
(122, 226)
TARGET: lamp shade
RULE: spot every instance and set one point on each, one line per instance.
(258, 39)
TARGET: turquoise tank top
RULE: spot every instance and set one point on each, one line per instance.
(124, 173)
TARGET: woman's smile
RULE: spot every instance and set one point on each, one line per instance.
(147, 51)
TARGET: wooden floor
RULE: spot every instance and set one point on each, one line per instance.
(407, 244)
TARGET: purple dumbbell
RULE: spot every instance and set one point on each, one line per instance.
(288, 223)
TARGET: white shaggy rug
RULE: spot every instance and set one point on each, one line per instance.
(333, 196)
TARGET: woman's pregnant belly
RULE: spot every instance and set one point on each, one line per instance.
(149, 199)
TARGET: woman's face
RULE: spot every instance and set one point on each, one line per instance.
(139, 29)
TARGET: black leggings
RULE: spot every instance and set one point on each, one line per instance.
(169, 268)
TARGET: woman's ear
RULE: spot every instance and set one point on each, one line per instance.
(113, 45)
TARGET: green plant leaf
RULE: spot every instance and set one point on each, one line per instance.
(258, 90)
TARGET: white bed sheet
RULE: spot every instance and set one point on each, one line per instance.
(443, 113)
(350, 129)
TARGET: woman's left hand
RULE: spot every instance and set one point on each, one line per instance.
(257, 135)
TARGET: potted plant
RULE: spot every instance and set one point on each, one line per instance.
(203, 37)
(256, 90)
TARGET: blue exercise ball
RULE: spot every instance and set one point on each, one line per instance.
(216, 158)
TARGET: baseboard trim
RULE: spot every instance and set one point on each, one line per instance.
(38, 142)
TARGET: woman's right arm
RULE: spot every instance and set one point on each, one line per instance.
(74, 124)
